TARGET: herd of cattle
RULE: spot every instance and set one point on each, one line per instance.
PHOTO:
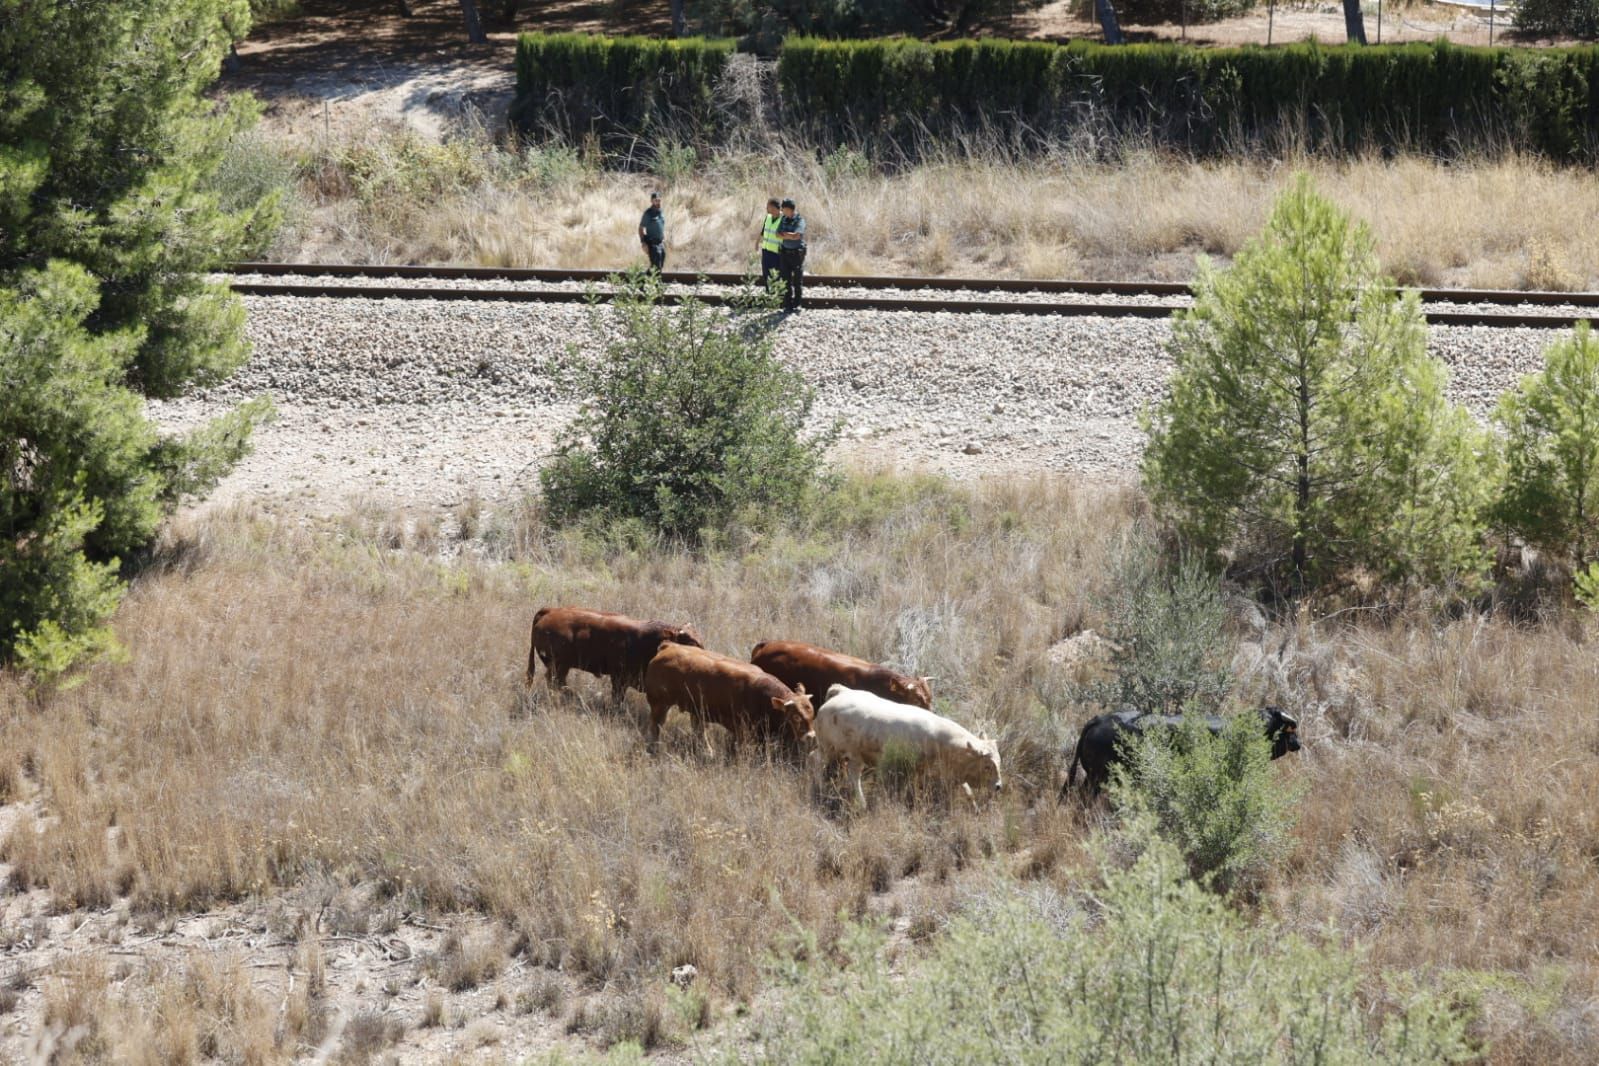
(867, 709)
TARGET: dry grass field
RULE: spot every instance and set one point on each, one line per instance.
(320, 736)
(386, 194)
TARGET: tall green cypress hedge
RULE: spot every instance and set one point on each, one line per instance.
(894, 96)
(618, 87)
(1426, 97)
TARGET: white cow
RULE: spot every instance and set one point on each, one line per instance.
(856, 726)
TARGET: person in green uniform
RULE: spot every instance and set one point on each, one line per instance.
(652, 233)
(791, 254)
(771, 260)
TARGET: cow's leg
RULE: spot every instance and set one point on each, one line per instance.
(659, 709)
(853, 781)
(557, 668)
(618, 689)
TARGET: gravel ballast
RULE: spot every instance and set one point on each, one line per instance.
(427, 402)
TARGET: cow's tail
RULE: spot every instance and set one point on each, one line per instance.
(533, 646)
(1071, 771)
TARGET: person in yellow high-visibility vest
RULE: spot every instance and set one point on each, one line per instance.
(771, 244)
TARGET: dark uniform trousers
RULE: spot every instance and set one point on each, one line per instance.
(771, 268)
(657, 256)
(792, 271)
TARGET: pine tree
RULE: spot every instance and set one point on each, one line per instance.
(1307, 428)
(1551, 425)
(107, 227)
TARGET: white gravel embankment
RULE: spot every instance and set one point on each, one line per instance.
(428, 402)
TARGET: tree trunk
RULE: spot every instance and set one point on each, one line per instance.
(510, 8)
(679, 21)
(405, 7)
(1107, 21)
(1302, 489)
(474, 25)
(1354, 22)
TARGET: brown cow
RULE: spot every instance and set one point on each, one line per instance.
(819, 669)
(600, 642)
(745, 700)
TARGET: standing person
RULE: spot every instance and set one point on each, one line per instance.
(791, 253)
(652, 233)
(771, 246)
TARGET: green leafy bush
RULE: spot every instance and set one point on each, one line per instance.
(1551, 426)
(1562, 18)
(1306, 430)
(692, 422)
(1214, 796)
(1144, 966)
(1168, 628)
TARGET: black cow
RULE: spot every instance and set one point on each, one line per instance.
(1099, 746)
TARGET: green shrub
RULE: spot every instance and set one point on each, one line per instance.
(1213, 796)
(1168, 628)
(1306, 430)
(1142, 967)
(674, 162)
(1563, 18)
(1551, 426)
(693, 421)
(256, 179)
(618, 89)
(1586, 586)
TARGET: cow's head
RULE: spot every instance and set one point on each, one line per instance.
(1282, 729)
(982, 765)
(797, 715)
(911, 690)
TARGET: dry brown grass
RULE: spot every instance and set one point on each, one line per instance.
(162, 1014)
(322, 707)
(1502, 223)
(309, 706)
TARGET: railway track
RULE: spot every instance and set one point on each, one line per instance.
(1498, 308)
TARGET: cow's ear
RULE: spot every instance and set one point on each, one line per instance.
(799, 690)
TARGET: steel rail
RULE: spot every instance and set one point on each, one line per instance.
(1015, 285)
(1492, 319)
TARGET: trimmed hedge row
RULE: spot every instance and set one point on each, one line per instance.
(892, 96)
(575, 84)
(1430, 97)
